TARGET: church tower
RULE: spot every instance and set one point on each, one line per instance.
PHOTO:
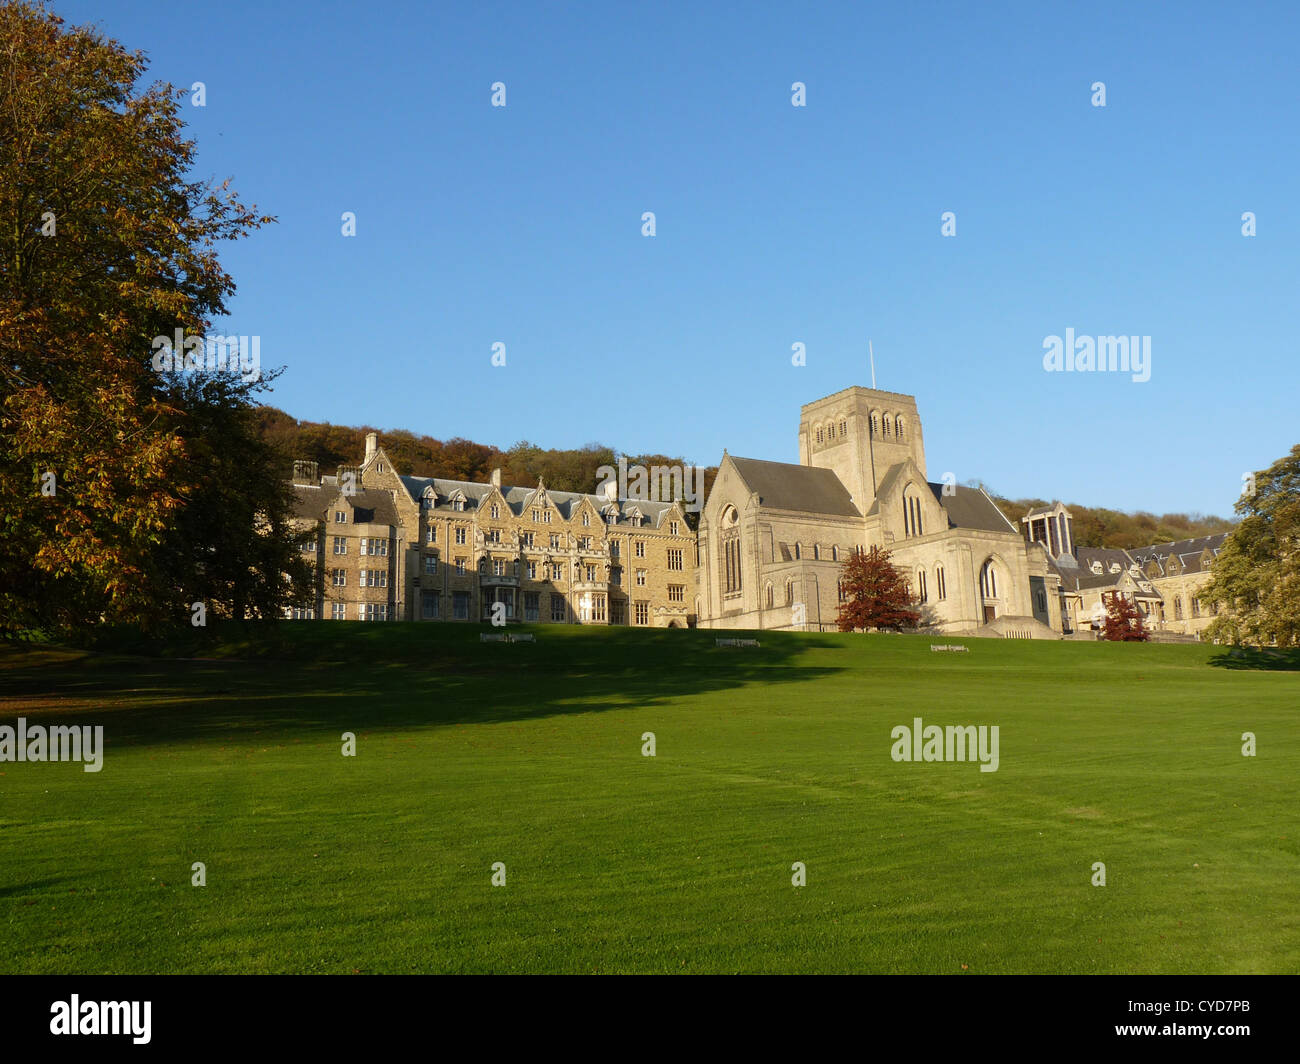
(859, 433)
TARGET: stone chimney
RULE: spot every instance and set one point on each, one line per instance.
(305, 472)
(372, 444)
(496, 477)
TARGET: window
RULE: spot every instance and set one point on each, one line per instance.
(496, 511)
(339, 577)
(546, 517)
(939, 585)
(432, 536)
(460, 566)
(460, 605)
(532, 603)
(1042, 601)
(492, 535)
(429, 605)
(374, 611)
(559, 611)
(1196, 607)
(592, 608)
(379, 467)
(611, 517)
(1178, 607)
(844, 428)
(675, 560)
(374, 547)
(525, 539)
(676, 592)
(555, 541)
(591, 573)
(613, 548)
(340, 517)
(532, 570)
(430, 565)
(769, 596)
(309, 547)
(672, 528)
(340, 545)
(586, 519)
(338, 611)
(640, 578)
(789, 592)
(835, 554)
(798, 551)
(557, 572)
(498, 567)
(731, 576)
(584, 543)
(912, 513)
(817, 552)
(875, 426)
(374, 577)
(842, 591)
(297, 613)
(898, 427)
(922, 592)
(458, 503)
(460, 534)
(536, 515)
(642, 613)
(616, 575)
(820, 434)
(989, 580)
(640, 548)
(617, 612)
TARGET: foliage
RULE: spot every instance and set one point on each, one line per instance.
(875, 594)
(1124, 622)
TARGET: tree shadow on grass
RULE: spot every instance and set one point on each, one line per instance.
(323, 679)
(1268, 658)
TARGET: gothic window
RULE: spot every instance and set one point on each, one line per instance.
(885, 423)
(769, 598)
(898, 427)
(817, 552)
(798, 551)
(875, 425)
(844, 428)
(922, 591)
(939, 586)
(789, 592)
(835, 554)
(989, 580)
(820, 434)
(1178, 607)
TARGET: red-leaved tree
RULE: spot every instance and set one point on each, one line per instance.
(1123, 621)
(875, 594)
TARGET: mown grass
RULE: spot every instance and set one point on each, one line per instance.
(470, 754)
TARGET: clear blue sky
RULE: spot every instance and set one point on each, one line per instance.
(775, 224)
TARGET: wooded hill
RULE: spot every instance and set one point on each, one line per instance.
(575, 470)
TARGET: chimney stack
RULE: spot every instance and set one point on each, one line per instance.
(496, 477)
(305, 472)
(372, 444)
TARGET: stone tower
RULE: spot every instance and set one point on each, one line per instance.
(859, 433)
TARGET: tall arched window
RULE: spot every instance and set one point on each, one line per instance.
(817, 552)
(912, 525)
(798, 551)
(940, 587)
(989, 580)
(921, 590)
(885, 423)
(769, 597)
(844, 428)
(835, 554)
(821, 434)
(875, 424)
(898, 427)
(789, 592)
(1178, 607)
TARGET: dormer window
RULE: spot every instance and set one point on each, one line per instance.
(340, 517)
(379, 467)
(586, 519)
(1096, 568)
(496, 511)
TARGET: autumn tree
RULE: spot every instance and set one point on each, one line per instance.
(1124, 622)
(1255, 581)
(105, 244)
(874, 593)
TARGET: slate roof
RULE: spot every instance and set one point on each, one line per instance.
(370, 506)
(1185, 550)
(806, 489)
(520, 499)
(971, 508)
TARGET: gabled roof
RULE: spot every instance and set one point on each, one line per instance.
(805, 489)
(971, 508)
(370, 506)
(520, 499)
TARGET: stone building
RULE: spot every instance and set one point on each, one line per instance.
(773, 534)
(392, 547)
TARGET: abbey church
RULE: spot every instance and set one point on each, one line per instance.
(773, 535)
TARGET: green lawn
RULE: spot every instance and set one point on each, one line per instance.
(470, 754)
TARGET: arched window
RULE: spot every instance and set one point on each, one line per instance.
(835, 554)
(844, 428)
(912, 525)
(875, 424)
(820, 434)
(789, 592)
(1178, 607)
(798, 551)
(898, 427)
(1196, 607)
(817, 552)
(989, 580)
(921, 590)
(939, 586)
(769, 597)
(885, 423)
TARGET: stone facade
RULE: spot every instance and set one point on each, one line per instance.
(392, 547)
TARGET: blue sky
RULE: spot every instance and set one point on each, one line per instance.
(775, 224)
